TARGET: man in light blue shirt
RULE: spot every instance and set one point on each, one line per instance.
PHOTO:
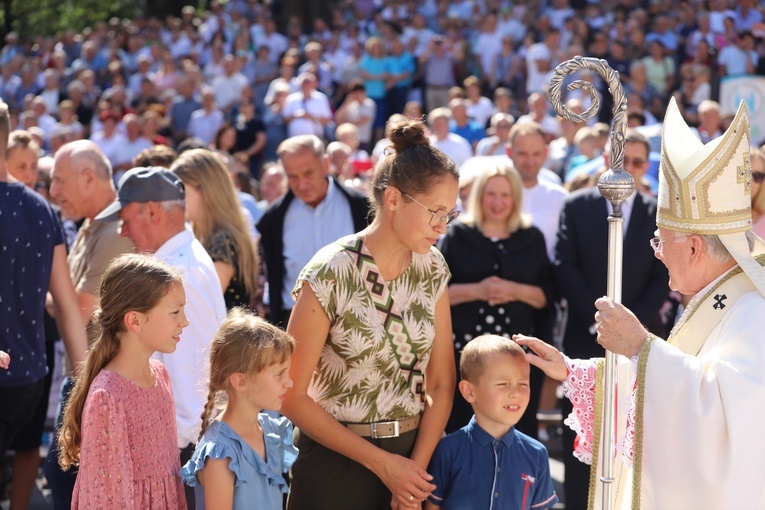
(316, 211)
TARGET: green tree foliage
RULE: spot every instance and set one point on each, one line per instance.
(30, 18)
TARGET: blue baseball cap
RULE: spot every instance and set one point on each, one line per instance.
(144, 184)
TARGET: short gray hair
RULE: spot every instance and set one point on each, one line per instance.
(300, 143)
(169, 205)
(717, 250)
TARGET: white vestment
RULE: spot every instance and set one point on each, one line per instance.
(697, 442)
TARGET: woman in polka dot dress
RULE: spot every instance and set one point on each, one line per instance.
(501, 277)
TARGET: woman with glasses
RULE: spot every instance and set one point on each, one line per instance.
(373, 368)
(757, 159)
(501, 276)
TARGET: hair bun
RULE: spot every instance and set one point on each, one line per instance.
(407, 133)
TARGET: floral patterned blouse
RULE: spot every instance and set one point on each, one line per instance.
(373, 362)
(129, 452)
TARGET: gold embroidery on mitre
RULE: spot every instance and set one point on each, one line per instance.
(745, 175)
(688, 206)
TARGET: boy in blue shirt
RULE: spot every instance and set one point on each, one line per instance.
(488, 465)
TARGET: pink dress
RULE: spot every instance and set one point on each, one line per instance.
(129, 454)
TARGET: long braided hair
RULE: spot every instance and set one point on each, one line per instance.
(244, 344)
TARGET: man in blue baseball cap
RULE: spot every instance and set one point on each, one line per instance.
(151, 203)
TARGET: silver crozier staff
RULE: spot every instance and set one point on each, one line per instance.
(615, 185)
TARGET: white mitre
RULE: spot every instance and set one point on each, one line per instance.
(706, 189)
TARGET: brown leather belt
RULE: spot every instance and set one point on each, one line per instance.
(384, 429)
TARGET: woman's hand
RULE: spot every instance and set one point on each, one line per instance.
(489, 287)
(546, 357)
(407, 481)
(502, 291)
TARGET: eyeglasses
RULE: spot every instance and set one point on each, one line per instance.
(657, 242)
(439, 217)
(758, 177)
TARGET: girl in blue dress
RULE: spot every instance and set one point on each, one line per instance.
(242, 452)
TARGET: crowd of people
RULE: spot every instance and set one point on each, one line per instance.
(389, 190)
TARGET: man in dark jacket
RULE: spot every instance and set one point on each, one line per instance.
(580, 267)
(316, 211)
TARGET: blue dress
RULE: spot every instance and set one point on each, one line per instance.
(259, 484)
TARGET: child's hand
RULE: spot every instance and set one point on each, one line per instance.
(5, 360)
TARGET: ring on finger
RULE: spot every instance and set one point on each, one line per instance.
(411, 498)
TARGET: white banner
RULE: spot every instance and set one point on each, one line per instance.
(751, 90)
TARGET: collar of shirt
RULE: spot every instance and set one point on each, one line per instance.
(180, 239)
(484, 438)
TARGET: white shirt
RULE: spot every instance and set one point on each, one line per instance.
(206, 310)
(534, 76)
(308, 229)
(204, 126)
(228, 89)
(626, 211)
(487, 46)
(109, 145)
(735, 59)
(277, 44)
(543, 203)
(481, 111)
(126, 151)
(457, 148)
(317, 105)
(356, 111)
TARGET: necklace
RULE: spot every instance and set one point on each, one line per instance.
(403, 263)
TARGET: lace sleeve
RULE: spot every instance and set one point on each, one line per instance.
(579, 388)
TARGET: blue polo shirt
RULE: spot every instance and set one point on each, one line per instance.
(404, 63)
(473, 470)
(29, 232)
(472, 131)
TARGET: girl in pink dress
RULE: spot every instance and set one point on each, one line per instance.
(119, 424)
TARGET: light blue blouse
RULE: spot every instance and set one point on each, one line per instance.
(259, 484)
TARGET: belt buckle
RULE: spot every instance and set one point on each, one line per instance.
(375, 435)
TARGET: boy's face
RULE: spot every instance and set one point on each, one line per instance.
(501, 394)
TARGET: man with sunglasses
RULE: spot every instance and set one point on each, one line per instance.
(580, 270)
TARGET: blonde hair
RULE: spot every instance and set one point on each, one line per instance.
(346, 128)
(131, 283)
(244, 344)
(758, 201)
(221, 210)
(585, 134)
(475, 217)
(479, 349)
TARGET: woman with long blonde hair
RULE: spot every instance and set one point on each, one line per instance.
(219, 223)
